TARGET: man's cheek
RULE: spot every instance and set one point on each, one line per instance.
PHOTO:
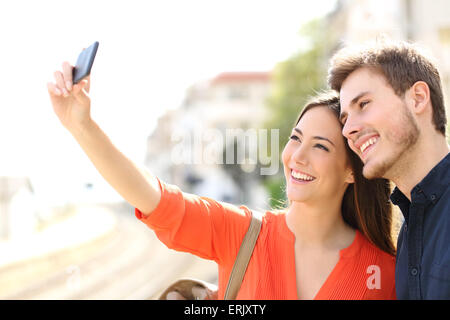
(352, 146)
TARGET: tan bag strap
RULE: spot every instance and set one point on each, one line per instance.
(243, 257)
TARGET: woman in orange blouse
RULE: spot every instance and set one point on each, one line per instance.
(332, 242)
(320, 247)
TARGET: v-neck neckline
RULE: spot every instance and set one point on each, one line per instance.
(328, 283)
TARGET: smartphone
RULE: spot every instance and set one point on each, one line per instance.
(84, 63)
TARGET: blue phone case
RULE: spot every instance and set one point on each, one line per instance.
(84, 63)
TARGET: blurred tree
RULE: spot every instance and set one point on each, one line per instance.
(294, 81)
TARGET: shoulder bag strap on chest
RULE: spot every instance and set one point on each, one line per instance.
(243, 257)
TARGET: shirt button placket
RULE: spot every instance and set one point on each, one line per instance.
(415, 250)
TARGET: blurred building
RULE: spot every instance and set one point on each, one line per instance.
(189, 142)
(17, 207)
(421, 21)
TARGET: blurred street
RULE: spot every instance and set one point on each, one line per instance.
(118, 259)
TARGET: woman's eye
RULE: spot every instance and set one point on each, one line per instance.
(294, 137)
(321, 146)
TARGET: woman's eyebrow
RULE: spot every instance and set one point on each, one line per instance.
(315, 137)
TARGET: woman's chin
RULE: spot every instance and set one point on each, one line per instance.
(295, 197)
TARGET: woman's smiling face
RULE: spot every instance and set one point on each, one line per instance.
(315, 162)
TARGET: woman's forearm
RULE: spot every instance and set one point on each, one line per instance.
(135, 184)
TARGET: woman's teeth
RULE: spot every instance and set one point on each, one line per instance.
(301, 176)
(367, 144)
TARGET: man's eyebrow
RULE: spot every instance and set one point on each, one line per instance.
(315, 137)
(355, 99)
(343, 114)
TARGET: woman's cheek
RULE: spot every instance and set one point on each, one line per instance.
(285, 154)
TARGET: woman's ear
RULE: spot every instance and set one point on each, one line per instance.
(350, 177)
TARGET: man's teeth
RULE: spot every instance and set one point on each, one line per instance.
(367, 144)
(301, 176)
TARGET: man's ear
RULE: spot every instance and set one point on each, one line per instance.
(420, 95)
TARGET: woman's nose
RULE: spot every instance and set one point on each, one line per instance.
(300, 155)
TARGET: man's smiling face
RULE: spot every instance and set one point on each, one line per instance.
(378, 125)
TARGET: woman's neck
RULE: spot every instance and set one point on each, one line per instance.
(319, 225)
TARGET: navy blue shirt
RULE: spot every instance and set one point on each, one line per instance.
(422, 268)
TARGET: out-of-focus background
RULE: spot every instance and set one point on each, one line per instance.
(164, 71)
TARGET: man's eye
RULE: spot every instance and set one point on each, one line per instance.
(362, 104)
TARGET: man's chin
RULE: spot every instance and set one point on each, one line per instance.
(372, 170)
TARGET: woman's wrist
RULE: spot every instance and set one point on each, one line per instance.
(83, 129)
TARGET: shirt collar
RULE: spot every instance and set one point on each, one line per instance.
(435, 182)
(400, 200)
(430, 189)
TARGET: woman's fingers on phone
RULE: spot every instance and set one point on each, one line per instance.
(83, 84)
(53, 89)
(80, 93)
(60, 83)
(79, 86)
(67, 74)
(88, 83)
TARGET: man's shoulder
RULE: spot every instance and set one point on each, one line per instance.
(443, 203)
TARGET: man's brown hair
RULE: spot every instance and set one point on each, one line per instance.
(401, 63)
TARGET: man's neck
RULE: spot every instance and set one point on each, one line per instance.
(415, 165)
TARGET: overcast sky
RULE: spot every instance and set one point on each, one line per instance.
(149, 53)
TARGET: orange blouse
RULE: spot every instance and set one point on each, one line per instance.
(214, 230)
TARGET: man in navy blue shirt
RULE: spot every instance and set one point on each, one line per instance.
(393, 114)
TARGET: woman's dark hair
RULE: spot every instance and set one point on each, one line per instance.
(365, 205)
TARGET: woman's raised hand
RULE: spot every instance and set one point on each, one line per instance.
(70, 102)
(72, 106)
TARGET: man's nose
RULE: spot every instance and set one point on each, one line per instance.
(351, 128)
